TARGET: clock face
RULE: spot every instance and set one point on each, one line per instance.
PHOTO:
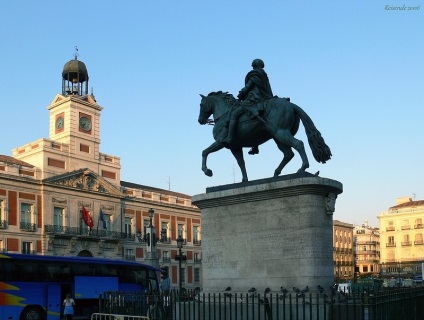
(85, 123)
(60, 123)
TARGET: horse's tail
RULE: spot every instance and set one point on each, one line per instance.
(320, 150)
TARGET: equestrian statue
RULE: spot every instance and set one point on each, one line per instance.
(256, 117)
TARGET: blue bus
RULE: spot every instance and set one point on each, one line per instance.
(33, 287)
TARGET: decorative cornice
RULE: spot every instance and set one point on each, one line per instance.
(270, 190)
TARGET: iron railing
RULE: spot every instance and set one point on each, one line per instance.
(365, 304)
(56, 229)
(27, 226)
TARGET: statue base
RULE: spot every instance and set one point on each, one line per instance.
(268, 233)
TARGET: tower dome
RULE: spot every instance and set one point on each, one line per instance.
(74, 78)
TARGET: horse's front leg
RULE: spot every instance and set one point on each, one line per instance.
(238, 154)
(216, 146)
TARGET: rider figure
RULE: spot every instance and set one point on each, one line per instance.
(257, 89)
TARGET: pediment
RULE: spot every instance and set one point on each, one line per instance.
(85, 179)
(57, 99)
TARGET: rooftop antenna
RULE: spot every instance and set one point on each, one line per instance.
(413, 196)
(169, 183)
(76, 53)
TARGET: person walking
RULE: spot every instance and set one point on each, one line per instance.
(68, 304)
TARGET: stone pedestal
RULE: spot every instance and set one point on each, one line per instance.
(268, 233)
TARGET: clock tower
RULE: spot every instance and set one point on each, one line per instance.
(74, 141)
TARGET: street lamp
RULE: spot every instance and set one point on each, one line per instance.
(180, 241)
(151, 255)
(151, 214)
(399, 270)
(152, 233)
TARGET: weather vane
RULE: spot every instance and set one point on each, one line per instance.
(76, 53)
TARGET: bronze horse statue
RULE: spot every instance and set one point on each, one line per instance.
(279, 121)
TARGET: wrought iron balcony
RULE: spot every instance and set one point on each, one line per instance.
(94, 233)
(130, 257)
(3, 224)
(164, 240)
(166, 259)
(391, 228)
(390, 244)
(27, 226)
(406, 243)
(28, 251)
(419, 243)
(197, 242)
(406, 227)
(419, 226)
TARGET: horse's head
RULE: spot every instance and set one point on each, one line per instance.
(216, 103)
(205, 110)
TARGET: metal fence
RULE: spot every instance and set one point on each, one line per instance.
(365, 304)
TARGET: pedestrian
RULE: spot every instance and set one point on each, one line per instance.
(165, 287)
(68, 304)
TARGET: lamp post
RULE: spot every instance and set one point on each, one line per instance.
(399, 270)
(151, 214)
(151, 256)
(180, 241)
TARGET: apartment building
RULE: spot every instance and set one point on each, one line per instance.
(401, 234)
(343, 251)
(366, 241)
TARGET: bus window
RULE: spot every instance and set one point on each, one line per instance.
(83, 269)
(43, 272)
(106, 271)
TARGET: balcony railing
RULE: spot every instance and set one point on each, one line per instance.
(166, 259)
(63, 230)
(165, 240)
(419, 243)
(406, 243)
(419, 226)
(391, 228)
(27, 226)
(406, 227)
(130, 257)
(390, 244)
(197, 242)
(27, 251)
(3, 224)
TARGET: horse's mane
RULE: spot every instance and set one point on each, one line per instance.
(228, 97)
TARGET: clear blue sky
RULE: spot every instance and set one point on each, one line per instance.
(355, 67)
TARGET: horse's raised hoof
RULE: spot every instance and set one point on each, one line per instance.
(208, 172)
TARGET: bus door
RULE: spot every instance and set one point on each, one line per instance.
(53, 301)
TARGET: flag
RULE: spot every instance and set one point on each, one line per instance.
(102, 219)
(87, 218)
